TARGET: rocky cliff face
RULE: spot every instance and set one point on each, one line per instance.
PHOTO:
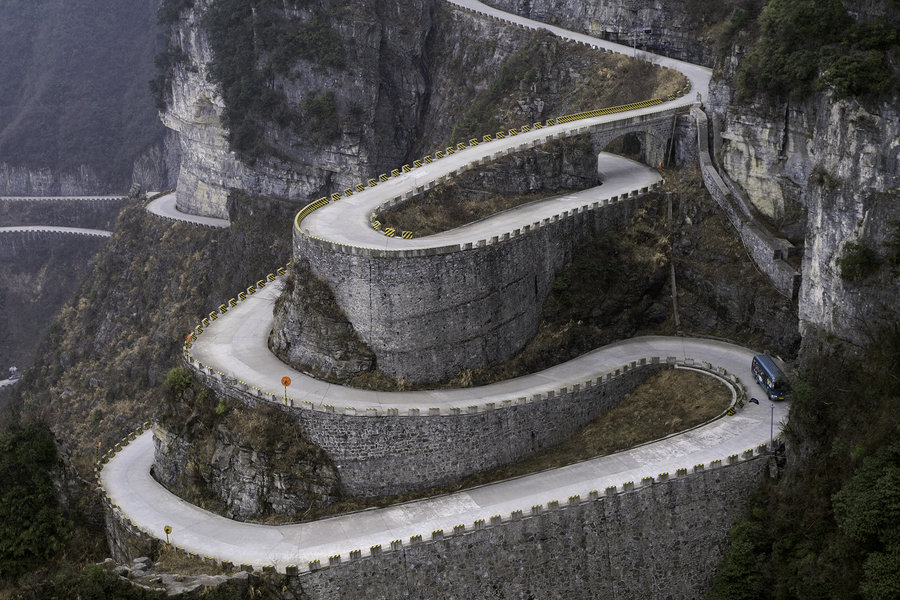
(376, 102)
(676, 28)
(26, 181)
(825, 172)
(247, 463)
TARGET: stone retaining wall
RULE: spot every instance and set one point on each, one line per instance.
(660, 538)
(428, 314)
(663, 540)
(391, 452)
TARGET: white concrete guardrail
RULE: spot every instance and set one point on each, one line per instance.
(54, 229)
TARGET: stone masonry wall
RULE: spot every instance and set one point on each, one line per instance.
(429, 314)
(390, 453)
(663, 540)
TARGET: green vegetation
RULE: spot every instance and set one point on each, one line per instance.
(857, 262)
(321, 117)
(33, 528)
(481, 117)
(179, 378)
(831, 527)
(805, 45)
(893, 244)
(254, 42)
(161, 84)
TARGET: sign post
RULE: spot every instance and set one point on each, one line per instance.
(285, 381)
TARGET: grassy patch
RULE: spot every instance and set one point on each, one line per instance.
(611, 80)
(555, 168)
(448, 206)
(668, 402)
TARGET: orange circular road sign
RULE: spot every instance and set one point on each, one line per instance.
(285, 381)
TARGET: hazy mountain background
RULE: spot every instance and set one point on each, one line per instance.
(74, 85)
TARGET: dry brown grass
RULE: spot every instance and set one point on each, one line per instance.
(173, 561)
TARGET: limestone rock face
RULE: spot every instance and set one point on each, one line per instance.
(826, 170)
(665, 27)
(245, 463)
(312, 334)
(24, 181)
(377, 100)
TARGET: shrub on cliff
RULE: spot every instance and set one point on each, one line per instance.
(857, 262)
(254, 43)
(179, 378)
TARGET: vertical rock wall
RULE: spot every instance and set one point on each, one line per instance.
(377, 101)
(824, 171)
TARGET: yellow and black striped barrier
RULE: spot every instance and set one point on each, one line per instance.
(407, 235)
(608, 111)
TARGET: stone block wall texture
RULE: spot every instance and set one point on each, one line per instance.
(661, 541)
(428, 315)
(390, 454)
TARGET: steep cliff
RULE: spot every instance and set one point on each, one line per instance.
(75, 110)
(364, 91)
(310, 100)
(823, 169)
(681, 29)
(242, 462)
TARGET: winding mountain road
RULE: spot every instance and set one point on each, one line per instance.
(235, 344)
(55, 229)
(165, 207)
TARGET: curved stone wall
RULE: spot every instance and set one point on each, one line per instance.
(427, 314)
(394, 451)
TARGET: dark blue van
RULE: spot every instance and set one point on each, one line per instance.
(770, 377)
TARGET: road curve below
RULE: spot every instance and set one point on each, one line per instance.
(165, 207)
